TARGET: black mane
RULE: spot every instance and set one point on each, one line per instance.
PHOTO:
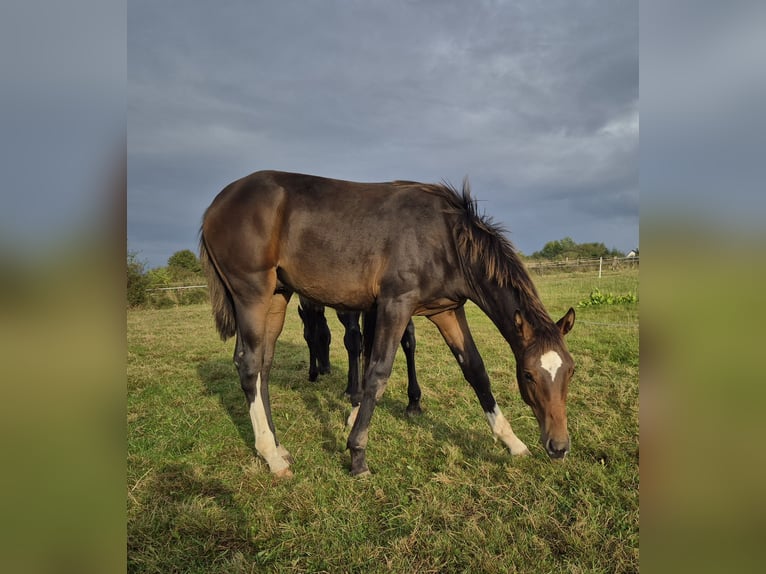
(483, 248)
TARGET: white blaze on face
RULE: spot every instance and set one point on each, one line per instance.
(501, 428)
(265, 442)
(551, 361)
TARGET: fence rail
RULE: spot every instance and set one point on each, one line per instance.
(582, 262)
(563, 284)
(599, 263)
(178, 287)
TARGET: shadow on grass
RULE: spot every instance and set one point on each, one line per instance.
(188, 522)
(472, 443)
(220, 379)
(325, 400)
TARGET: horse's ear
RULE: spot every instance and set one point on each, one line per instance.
(522, 327)
(566, 323)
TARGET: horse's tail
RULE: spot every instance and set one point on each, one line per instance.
(220, 297)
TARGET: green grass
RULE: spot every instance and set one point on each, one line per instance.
(443, 496)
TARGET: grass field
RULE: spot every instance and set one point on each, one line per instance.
(443, 496)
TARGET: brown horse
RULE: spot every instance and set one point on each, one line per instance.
(425, 251)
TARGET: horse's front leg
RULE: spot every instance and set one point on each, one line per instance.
(454, 328)
(390, 323)
(413, 389)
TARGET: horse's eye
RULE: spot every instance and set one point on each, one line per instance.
(529, 378)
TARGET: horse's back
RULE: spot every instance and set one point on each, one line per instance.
(334, 241)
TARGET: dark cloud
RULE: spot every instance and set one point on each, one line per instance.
(536, 102)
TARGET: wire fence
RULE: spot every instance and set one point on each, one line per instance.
(176, 288)
(596, 290)
(561, 283)
(630, 325)
(600, 265)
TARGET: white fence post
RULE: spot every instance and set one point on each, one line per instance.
(600, 263)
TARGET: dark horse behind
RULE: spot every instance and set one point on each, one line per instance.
(317, 334)
(426, 251)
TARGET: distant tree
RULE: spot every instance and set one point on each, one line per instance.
(138, 281)
(184, 259)
(567, 248)
(184, 266)
(559, 249)
(595, 250)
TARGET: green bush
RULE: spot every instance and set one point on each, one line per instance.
(159, 277)
(598, 298)
(138, 281)
(161, 300)
(192, 296)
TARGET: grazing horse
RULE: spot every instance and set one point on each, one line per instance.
(426, 251)
(317, 336)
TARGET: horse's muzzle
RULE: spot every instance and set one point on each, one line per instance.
(557, 449)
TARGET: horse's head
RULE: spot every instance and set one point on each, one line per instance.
(543, 370)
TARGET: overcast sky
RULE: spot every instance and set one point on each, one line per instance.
(536, 102)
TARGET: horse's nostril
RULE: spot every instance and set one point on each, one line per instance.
(555, 452)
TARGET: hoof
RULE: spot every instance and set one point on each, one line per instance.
(361, 473)
(285, 454)
(524, 452)
(284, 473)
(358, 463)
(413, 410)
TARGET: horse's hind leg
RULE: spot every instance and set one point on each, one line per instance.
(307, 336)
(413, 389)
(365, 338)
(317, 336)
(274, 323)
(352, 340)
(259, 322)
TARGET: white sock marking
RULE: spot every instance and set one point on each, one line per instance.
(265, 442)
(501, 428)
(551, 361)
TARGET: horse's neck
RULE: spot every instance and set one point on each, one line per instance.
(499, 304)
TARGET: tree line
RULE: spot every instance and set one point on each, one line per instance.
(183, 268)
(567, 248)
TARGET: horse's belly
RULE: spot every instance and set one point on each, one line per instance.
(345, 289)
